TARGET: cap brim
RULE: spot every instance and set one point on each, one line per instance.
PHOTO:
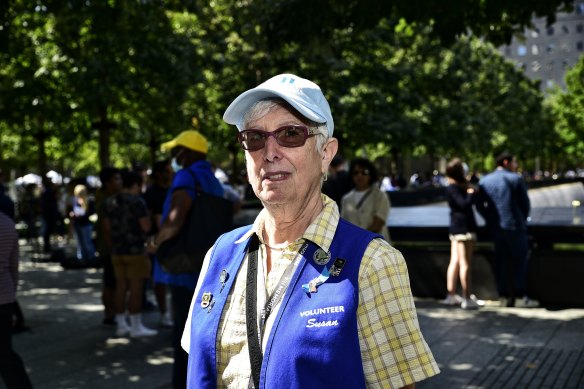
(168, 145)
(238, 108)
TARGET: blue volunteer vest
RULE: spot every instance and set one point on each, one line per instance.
(314, 340)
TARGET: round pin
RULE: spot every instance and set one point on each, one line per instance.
(321, 257)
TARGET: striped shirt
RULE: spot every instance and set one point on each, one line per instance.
(8, 259)
(393, 350)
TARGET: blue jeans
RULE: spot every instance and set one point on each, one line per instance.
(12, 369)
(85, 247)
(511, 262)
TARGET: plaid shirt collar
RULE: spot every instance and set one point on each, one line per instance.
(321, 231)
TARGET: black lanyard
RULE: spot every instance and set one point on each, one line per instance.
(254, 337)
(253, 340)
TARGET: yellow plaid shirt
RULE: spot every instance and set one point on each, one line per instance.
(393, 350)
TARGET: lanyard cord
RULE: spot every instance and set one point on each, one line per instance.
(253, 340)
(253, 335)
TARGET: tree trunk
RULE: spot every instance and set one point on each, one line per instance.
(103, 126)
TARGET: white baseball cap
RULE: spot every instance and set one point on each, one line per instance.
(304, 95)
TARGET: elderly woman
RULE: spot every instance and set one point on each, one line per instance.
(301, 298)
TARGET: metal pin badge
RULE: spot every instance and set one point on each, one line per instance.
(223, 277)
(337, 266)
(321, 257)
(206, 299)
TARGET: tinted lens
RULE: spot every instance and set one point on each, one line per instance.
(252, 140)
(291, 136)
(287, 136)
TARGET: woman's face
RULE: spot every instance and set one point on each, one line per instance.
(361, 177)
(284, 175)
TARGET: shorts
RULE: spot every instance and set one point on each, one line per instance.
(463, 237)
(131, 266)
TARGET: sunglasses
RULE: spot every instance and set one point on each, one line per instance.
(286, 136)
(361, 172)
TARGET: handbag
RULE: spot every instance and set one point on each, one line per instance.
(208, 218)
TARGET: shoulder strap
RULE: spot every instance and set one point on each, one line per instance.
(360, 203)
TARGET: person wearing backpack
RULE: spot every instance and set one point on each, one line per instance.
(189, 160)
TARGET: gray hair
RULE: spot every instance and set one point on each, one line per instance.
(263, 107)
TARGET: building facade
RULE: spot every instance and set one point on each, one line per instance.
(545, 53)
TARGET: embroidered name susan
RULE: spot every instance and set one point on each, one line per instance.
(325, 323)
(314, 323)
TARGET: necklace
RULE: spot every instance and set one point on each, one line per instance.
(280, 247)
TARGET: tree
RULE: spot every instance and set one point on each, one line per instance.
(565, 108)
(128, 68)
(121, 77)
(83, 69)
(29, 80)
(307, 21)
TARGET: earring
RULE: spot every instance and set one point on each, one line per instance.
(324, 176)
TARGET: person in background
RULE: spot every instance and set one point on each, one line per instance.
(338, 182)
(155, 195)
(29, 209)
(140, 168)
(504, 204)
(6, 204)
(301, 298)
(12, 369)
(126, 226)
(83, 208)
(193, 173)
(366, 205)
(8, 207)
(462, 230)
(49, 212)
(111, 184)
(229, 192)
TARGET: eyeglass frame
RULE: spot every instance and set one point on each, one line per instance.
(307, 131)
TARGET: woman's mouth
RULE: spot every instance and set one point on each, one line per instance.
(275, 176)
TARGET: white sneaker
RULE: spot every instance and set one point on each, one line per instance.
(137, 329)
(480, 303)
(142, 331)
(452, 299)
(166, 320)
(123, 329)
(469, 304)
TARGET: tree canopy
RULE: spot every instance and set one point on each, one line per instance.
(88, 84)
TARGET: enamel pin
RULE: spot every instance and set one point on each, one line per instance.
(321, 257)
(312, 286)
(206, 299)
(337, 266)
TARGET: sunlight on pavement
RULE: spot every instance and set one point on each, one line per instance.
(43, 291)
(159, 360)
(85, 307)
(461, 366)
(113, 342)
